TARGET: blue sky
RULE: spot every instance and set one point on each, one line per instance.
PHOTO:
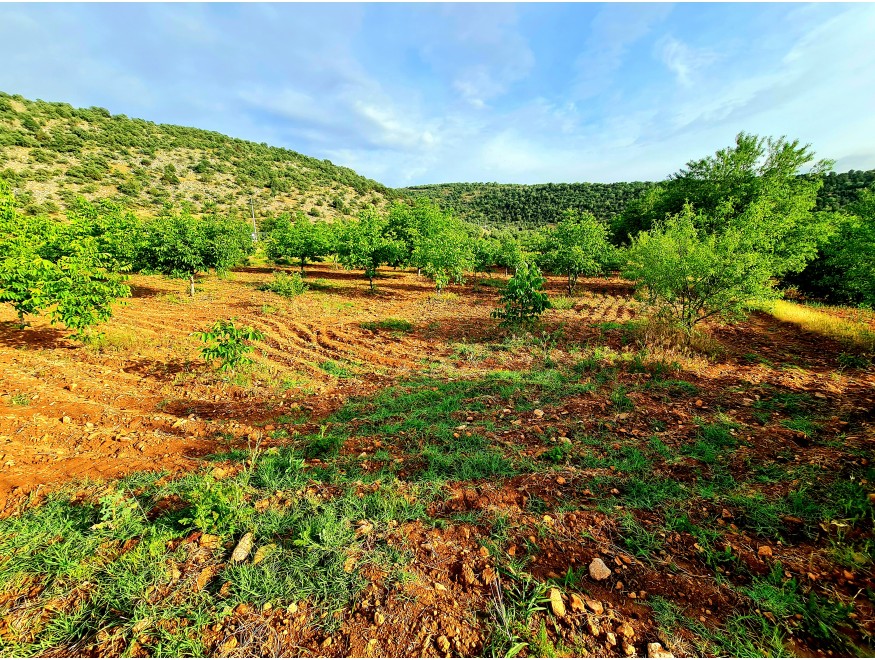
(428, 93)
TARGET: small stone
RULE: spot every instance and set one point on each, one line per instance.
(244, 547)
(598, 570)
(538, 412)
(764, 551)
(626, 631)
(699, 403)
(66, 419)
(576, 603)
(611, 639)
(655, 650)
(593, 625)
(596, 606)
(326, 643)
(292, 608)
(379, 618)
(560, 481)
(443, 644)
(556, 603)
(629, 650)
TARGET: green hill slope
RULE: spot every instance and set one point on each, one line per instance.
(52, 152)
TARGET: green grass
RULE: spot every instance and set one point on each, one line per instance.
(336, 369)
(396, 325)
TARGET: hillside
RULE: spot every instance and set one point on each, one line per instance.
(52, 152)
(529, 206)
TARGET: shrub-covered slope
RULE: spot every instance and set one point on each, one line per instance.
(52, 152)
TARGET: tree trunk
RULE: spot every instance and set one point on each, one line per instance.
(191, 285)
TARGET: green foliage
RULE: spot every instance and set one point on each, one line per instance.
(756, 180)
(47, 265)
(396, 325)
(719, 232)
(577, 246)
(226, 343)
(442, 247)
(845, 269)
(298, 239)
(368, 244)
(181, 245)
(529, 206)
(687, 275)
(288, 286)
(523, 300)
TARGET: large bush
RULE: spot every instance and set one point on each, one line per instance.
(745, 218)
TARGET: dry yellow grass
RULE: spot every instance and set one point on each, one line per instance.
(824, 323)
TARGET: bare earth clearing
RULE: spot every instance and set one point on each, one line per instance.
(728, 493)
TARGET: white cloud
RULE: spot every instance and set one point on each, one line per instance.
(682, 60)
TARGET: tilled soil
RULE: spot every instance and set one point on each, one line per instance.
(141, 398)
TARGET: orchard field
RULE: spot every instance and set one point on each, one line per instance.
(406, 434)
(396, 475)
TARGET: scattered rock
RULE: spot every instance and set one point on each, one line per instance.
(598, 570)
(576, 603)
(560, 481)
(655, 650)
(443, 644)
(629, 650)
(764, 551)
(538, 412)
(244, 547)
(593, 624)
(626, 631)
(468, 574)
(66, 419)
(556, 603)
(611, 639)
(596, 606)
(379, 618)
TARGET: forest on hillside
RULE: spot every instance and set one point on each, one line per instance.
(530, 206)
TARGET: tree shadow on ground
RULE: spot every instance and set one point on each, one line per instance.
(13, 335)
